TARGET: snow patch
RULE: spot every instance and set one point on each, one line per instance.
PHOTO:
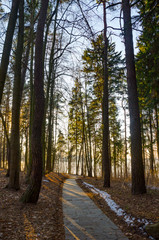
(153, 188)
(115, 207)
(46, 180)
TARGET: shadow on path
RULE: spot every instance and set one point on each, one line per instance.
(83, 219)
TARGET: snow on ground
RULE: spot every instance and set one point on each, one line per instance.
(148, 186)
(115, 207)
(153, 188)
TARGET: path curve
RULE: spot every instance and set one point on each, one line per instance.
(83, 220)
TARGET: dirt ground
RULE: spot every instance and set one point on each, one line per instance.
(138, 206)
(40, 221)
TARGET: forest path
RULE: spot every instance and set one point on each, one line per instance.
(83, 220)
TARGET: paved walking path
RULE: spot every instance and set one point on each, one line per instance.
(83, 220)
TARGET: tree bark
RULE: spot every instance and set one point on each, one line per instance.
(143, 140)
(0, 155)
(51, 82)
(4, 150)
(8, 142)
(115, 160)
(125, 141)
(157, 129)
(138, 179)
(151, 146)
(8, 45)
(105, 106)
(15, 132)
(51, 107)
(31, 117)
(89, 135)
(32, 193)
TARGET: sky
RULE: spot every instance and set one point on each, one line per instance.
(95, 19)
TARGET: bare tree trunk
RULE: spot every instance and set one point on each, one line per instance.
(151, 146)
(115, 158)
(95, 155)
(49, 149)
(70, 159)
(4, 151)
(89, 136)
(79, 158)
(26, 149)
(105, 106)
(143, 140)
(0, 155)
(86, 152)
(157, 130)
(125, 141)
(31, 117)
(15, 133)
(52, 83)
(8, 142)
(83, 135)
(51, 72)
(8, 45)
(55, 136)
(76, 137)
(138, 179)
(32, 193)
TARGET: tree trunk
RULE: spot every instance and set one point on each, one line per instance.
(86, 152)
(4, 150)
(15, 133)
(49, 149)
(32, 193)
(52, 83)
(8, 143)
(83, 135)
(79, 158)
(51, 72)
(95, 155)
(114, 159)
(76, 139)
(143, 140)
(55, 136)
(105, 106)
(89, 137)
(26, 151)
(31, 117)
(25, 65)
(70, 159)
(138, 179)
(157, 130)
(8, 45)
(151, 146)
(125, 140)
(0, 155)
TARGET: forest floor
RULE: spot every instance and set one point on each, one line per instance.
(44, 220)
(141, 207)
(40, 221)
